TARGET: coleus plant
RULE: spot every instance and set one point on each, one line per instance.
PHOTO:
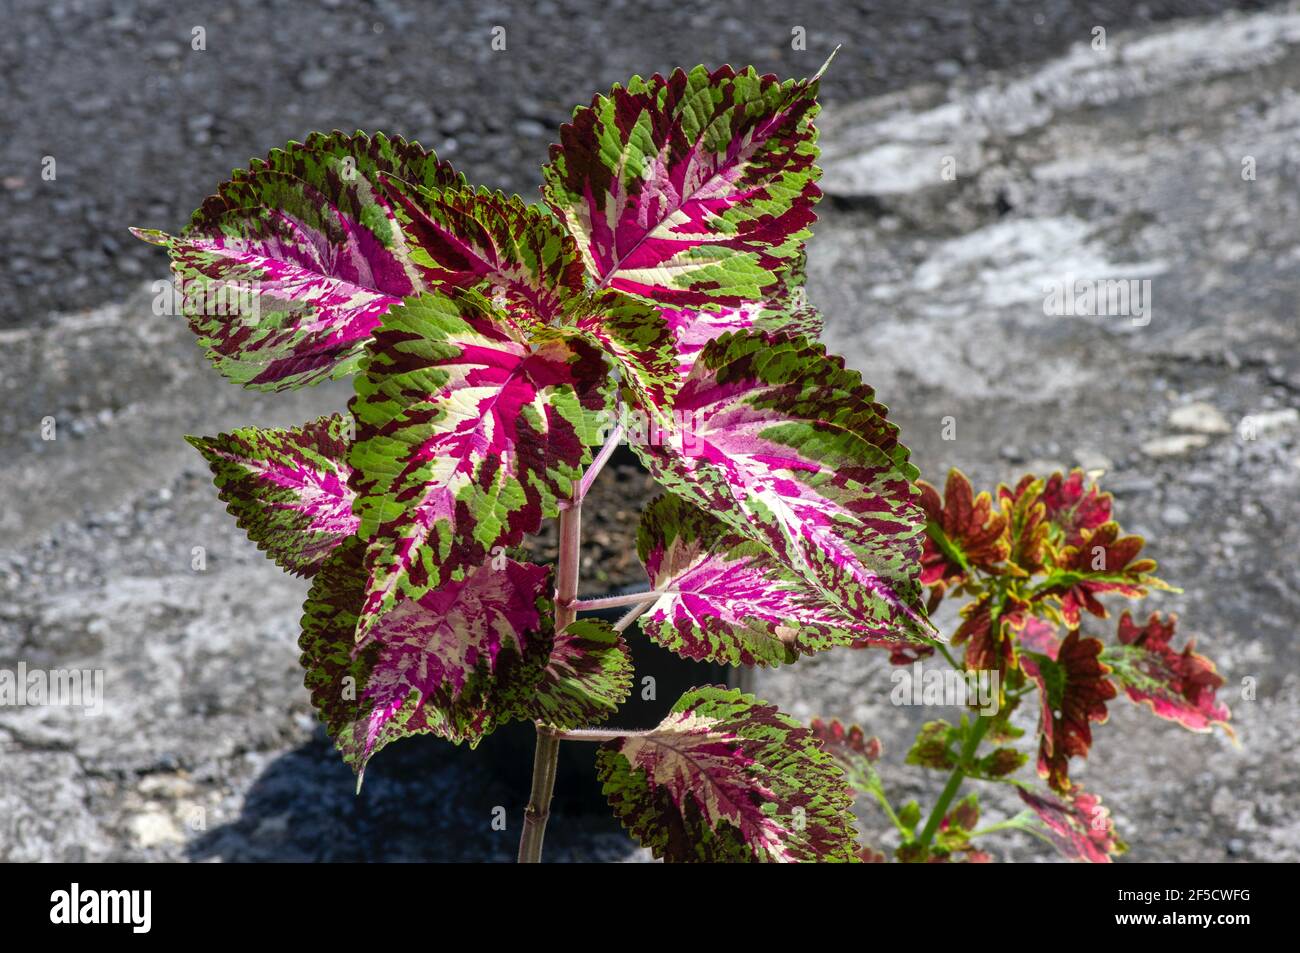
(1031, 561)
(499, 353)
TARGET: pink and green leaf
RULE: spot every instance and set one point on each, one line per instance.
(693, 328)
(288, 269)
(511, 252)
(469, 432)
(790, 449)
(587, 676)
(727, 599)
(451, 663)
(728, 778)
(638, 341)
(692, 189)
(287, 489)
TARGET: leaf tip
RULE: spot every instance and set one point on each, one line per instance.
(153, 236)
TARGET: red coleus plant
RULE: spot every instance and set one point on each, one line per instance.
(499, 352)
(1027, 572)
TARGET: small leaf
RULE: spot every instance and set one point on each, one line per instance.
(1000, 763)
(287, 489)
(727, 778)
(1178, 686)
(1073, 691)
(962, 533)
(1074, 509)
(1027, 529)
(850, 746)
(909, 815)
(1102, 562)
(984, 632)
(1078, 826)
(935, 746)
(588, 675)
(965, 815)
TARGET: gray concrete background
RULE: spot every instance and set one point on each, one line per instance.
(1070, 162)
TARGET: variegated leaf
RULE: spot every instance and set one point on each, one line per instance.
(727, 599)
(291, 265)
(1076, 825)
(1181, 686)
(515, 253)
(287, 489)
(692, 328)
(452, 663)
(728, 778)
(790, 449)
(469, 430)
(784, 313)
(1073, 691)
(637, 340)
(588, 675)
(692, 189)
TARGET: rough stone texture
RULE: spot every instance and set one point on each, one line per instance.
(1118, 165)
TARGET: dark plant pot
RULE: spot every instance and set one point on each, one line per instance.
(510, 749)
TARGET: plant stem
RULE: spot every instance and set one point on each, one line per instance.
(598, 734)
(1010, 824)
(974, 735)
(613, 602)
(593, 471)
(632, 615)
(545, 761)
(879, 794)
(547, 754)
(566, 572)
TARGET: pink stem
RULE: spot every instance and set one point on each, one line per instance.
(598, 464)
(598, 734)
(613, 602)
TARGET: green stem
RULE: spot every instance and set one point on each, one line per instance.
(974, 735)
(947, 655)
(888, 808)
(1011, 824)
